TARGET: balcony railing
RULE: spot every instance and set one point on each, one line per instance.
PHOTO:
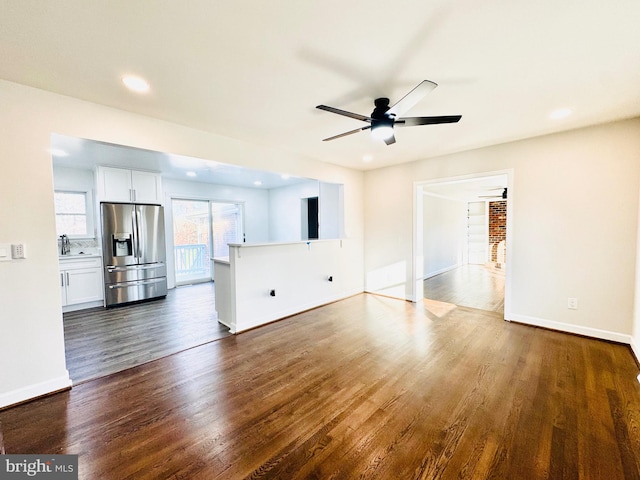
(192, 262)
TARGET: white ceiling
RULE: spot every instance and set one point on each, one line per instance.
(255, 70)
(79, 153)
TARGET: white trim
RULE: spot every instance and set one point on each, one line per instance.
(36, 390)
(573, 328)
(288, 312)
(442, 270)
(417, 270)
(82, 306)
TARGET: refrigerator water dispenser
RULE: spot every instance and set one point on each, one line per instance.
(122, 244)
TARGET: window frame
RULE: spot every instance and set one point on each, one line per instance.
(89, 213)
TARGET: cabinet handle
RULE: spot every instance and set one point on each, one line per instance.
(61, 279)
(68, 282)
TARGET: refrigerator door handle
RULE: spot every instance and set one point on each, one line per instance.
(135, 284)
(136, 237)
(113, 268)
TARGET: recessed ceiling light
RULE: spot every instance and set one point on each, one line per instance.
(191, 174)
(56, 152)
(560, 113)
(257, 183)
(136, 84)
(367, 158)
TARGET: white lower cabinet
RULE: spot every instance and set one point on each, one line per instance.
(81, 280)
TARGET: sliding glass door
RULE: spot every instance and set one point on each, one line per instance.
(201, 230)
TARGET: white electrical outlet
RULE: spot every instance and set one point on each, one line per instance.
(18, 251)
(572, 303)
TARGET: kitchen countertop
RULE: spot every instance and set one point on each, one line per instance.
(75, 256)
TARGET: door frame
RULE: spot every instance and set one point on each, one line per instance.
(168, 212)
(417, 266)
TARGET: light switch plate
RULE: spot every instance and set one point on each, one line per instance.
(5, 252)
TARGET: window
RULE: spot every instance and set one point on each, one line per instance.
(72, 216)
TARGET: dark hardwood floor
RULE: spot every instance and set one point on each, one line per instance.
(102, 341)
(368, 387)
(475, 286)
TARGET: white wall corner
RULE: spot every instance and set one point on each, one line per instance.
(635, 348)
(36, 390)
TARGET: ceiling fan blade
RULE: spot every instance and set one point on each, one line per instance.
(411, 98)
(411, 121)
(357, 116)
(351, 132)
(390, 141)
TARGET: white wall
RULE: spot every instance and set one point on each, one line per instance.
(330, 210)
(65, 178)
(444, 234)
(575, 216)
(31, 322)
(285, 211)
(635, 329)
(256, 270)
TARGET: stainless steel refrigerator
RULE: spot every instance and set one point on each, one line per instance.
(134, 253)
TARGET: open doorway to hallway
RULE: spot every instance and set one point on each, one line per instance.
(461, 230)
(475, 286)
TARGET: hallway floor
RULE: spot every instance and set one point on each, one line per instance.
(475, 286)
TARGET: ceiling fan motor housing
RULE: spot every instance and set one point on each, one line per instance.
(379, 116)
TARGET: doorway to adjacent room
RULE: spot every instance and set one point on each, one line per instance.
(461, 233)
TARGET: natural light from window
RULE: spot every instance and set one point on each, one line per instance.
(71, 213)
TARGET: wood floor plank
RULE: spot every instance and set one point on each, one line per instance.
(368, 387)
(101, 341)
(475, 286)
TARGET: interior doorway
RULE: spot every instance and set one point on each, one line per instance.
(202, 229)
(461, 233)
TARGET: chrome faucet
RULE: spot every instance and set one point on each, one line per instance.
(65, 245)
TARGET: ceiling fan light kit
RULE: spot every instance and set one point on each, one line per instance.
(383, 119)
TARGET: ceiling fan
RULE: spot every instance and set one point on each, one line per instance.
(384, 118)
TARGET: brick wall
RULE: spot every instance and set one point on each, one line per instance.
(497, 225)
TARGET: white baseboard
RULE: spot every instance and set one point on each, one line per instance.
(572, 328)
(253, 322)
(82, 306)
(442, 270)
(34, 391)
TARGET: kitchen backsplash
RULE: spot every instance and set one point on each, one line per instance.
(85, 246)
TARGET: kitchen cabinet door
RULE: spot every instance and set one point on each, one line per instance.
(63, 289)
(147, 187)
(114, 184)
(128, 186)
(83, 285)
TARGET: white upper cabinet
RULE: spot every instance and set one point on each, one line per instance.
(128, 186)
